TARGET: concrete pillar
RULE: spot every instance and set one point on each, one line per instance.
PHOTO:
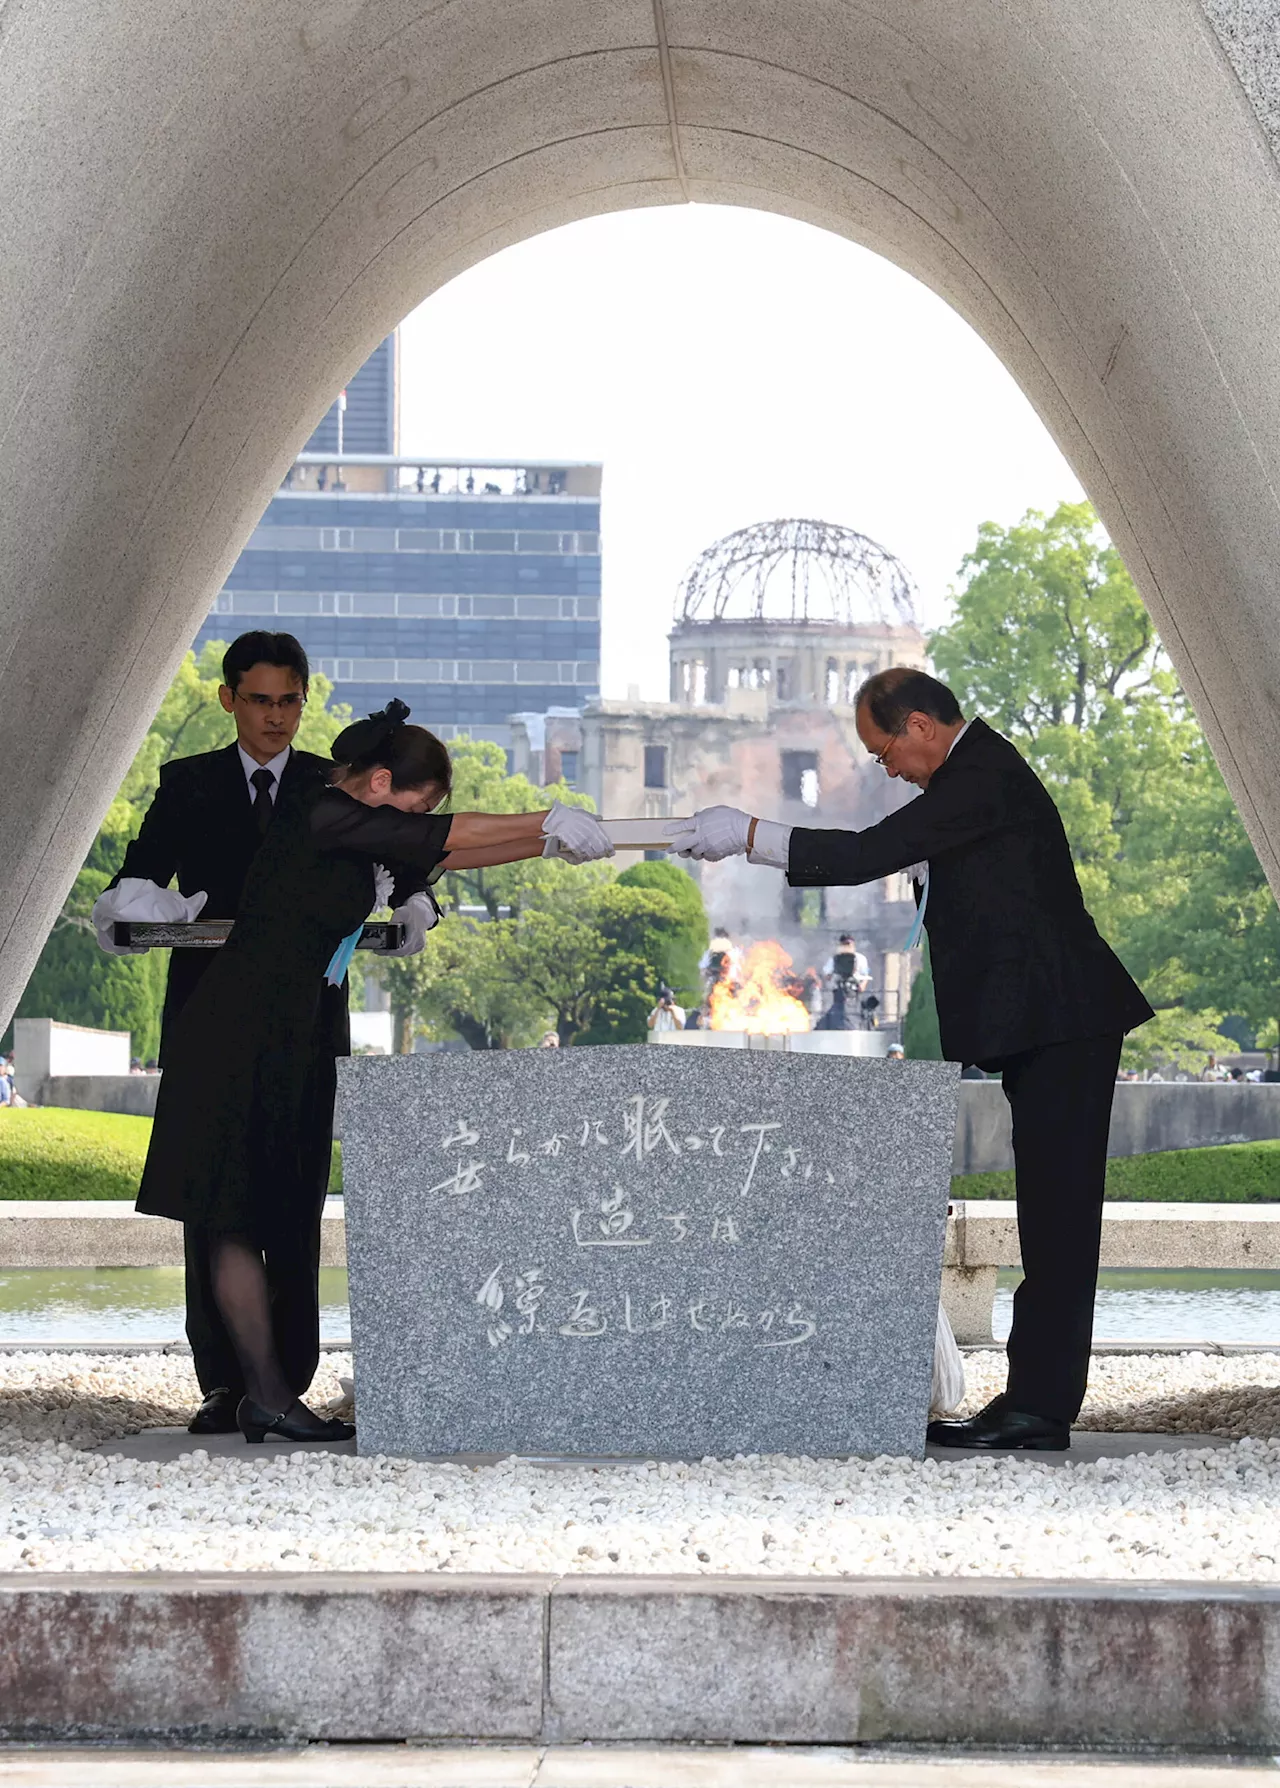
(210, 218)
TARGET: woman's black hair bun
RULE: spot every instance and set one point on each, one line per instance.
(362, 737)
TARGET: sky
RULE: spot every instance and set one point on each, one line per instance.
(727, 367)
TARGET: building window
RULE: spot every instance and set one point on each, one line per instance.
(569, 767)
(655, 766)
(833, 682)
(800, 777)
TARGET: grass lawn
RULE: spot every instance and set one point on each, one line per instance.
(46, 1152)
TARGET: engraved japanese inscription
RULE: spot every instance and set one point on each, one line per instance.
(641, 1252)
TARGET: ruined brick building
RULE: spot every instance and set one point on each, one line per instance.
(775, 629)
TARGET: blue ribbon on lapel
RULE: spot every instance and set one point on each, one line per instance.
(336, 973)
(914, 936)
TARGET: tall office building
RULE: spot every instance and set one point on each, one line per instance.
(469, 588)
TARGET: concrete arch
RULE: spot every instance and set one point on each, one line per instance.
(211, 217)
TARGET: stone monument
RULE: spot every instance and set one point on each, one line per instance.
(644, 1252)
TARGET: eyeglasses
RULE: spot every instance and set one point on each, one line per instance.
(288, 702)
(889, 745)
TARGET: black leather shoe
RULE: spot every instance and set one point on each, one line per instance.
(216, 1415)
(295, 1423)
(998, 1426)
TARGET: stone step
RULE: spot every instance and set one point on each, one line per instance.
(359, 1657)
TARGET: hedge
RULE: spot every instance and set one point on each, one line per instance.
(1236, 1173)
(46, 1152)
(50, 1153)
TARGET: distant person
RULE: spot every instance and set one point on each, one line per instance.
(846, 974)
(667, 1015)
(896, 1053)
(695, 1019)
(847, 963)
(9, 1094)
(550, 1040)
(721, 960)
(1024, 984)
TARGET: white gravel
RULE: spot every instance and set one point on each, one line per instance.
(1212, 1514)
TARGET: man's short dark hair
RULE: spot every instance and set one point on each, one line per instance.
(892, 694)
(261, 647)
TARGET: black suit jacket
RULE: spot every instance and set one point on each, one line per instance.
(200, 828)
(1017, 961)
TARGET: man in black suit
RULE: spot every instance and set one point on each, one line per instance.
(207, 819)
(1025, 986)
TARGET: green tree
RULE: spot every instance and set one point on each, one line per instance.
(77, 983)
(678, 964)
(73, 980)
(585, 954)
(1175, 1039)
(459, 985)
(481, 785)
(921, 1041)
(592, 957)
(1051, 644)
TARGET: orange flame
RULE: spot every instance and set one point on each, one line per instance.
(761, 1003)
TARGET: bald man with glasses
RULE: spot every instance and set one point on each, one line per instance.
(1025, 987)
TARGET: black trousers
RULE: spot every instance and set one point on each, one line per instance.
(1060, 1098)
(293, 1270)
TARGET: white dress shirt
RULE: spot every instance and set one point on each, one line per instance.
(277, 766)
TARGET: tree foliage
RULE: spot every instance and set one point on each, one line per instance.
(540, 944)
(583, 954)
(678, 964)
(1051, 644)
(921, 1039)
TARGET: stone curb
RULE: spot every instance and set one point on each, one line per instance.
(677, 1660)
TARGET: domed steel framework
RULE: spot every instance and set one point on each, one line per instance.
(798, 571)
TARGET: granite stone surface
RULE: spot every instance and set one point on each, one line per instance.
(1249, 32)
(632, 1251)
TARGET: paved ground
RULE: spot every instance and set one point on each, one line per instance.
(160, 1445)
(398, 1766)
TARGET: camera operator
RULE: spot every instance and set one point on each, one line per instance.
(848, 976)
(666, 1015)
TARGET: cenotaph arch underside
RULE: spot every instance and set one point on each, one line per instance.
(209, 217)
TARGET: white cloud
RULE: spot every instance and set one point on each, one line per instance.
(727, 366)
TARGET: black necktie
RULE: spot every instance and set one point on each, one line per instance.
(263, 806)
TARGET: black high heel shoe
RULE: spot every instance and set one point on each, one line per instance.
(255, 1423)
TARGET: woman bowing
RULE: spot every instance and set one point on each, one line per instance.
(246, 1098)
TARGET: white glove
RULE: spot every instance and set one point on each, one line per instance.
(134, 899)
(418, 915)
(383, 884)
(574, 835)
(714, 833)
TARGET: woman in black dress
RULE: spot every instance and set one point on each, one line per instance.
(244, 1102)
